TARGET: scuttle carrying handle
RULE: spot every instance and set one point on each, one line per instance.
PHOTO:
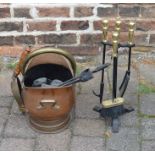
(16, 84)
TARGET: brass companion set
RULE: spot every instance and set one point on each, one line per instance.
(43, 84)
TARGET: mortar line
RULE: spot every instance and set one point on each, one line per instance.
(79, 135)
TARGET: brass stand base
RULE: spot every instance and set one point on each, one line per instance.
(112, 103)
(54, 126)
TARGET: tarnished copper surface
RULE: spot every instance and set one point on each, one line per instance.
(64, 97)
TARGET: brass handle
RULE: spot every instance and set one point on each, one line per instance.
(105, 23)
(131, 36)
(131, 32)
(117, 29)
(118, 23)
(115, 43)
(45, 103)
(105, 30)
(117, 26)
(131, 25)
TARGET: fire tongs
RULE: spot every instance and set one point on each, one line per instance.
(84, 76)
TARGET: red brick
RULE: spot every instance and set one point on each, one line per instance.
(74, 25)
(107, 12)
(123, 37)
(90, 39)
(83, 11)
(152, 39)
(41, 26)
(15, 51)
(6, 40)
(4, 12)
(11, 50)
(57, 39)
(53, 12)
(82, 50)
(22, 12)
(129, 10)
(141, 38)
(11, 26)
(145, 25)
(97, 25)
(28, 39)
(148, 11)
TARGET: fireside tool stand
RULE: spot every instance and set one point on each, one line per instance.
(114, 107)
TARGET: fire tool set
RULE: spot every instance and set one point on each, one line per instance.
(43, 84)
(113, 108)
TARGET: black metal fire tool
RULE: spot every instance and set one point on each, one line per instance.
(126, 78)
(105, 34)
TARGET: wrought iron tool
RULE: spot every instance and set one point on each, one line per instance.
(126, 78)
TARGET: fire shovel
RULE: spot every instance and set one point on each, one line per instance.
(126, 78)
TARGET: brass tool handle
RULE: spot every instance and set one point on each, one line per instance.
(117, 29)
(131, 36)
(118, 25)
(131, 25)
(131, 32)
(115, 43)
(105, 30)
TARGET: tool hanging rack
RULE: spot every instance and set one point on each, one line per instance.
(114, 107)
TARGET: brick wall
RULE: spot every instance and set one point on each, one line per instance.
(75, 27)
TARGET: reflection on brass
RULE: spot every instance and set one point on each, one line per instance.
(112, 103)
(131, 25)
(49, 50)
(45, 103)
(105, 29)
(117, 29)
(115, 43)
(118, 25)
(22, 109)
(130, 36)
(131, 32)
(105, 23)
